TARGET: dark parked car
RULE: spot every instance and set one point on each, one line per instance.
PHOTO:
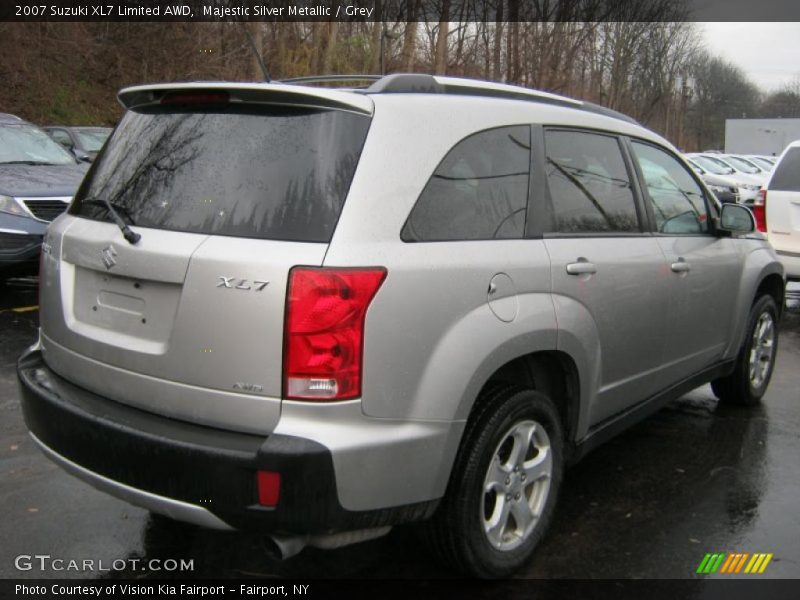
(37, 181)
(83, 142)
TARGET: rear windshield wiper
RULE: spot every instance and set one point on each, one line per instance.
(112, 208)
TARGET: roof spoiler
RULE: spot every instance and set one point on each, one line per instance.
(250, 93)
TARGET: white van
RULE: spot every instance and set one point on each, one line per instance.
(782, 218)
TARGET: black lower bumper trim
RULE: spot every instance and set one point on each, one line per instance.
(201, 465)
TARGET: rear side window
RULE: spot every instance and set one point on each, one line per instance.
(478, 192)
(279, 173)
(678, 202)
(589, 186)
(787, 174)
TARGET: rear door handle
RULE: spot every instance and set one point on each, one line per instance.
(681, 266)
(582, 267)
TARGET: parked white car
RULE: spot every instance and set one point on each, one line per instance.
(781, 221)
(748, 184)
(724, 188)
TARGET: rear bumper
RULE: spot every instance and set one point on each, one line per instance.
(190, 472)
(181, 511)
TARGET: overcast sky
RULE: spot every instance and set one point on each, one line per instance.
(769, 53)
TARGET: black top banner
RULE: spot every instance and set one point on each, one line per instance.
(400, 10)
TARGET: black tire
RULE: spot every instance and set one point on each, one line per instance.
(456, 532)
(739, 387)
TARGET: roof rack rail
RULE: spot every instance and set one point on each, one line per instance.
(422, 83)
(608, 112)
(406, 83)
(329, 79)
(419, 83)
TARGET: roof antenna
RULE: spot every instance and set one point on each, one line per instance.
(257, 54)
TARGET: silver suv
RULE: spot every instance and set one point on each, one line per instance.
(317, 313)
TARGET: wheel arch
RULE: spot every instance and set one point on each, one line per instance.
(551, 372)
(762, 274)
(773, 285)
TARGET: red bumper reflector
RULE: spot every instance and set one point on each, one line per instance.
(269, 488)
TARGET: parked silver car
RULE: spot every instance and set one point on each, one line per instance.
(319, 313)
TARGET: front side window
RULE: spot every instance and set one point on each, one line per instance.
(478, 192)
(677, 200)
(590, 189)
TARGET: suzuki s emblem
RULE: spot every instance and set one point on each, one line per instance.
(109, 253)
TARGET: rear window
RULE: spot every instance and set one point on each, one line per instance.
(278, 173)
(787, 174)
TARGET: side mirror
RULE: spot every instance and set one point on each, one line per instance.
(730, 171)
(735, 218)
(82, 156)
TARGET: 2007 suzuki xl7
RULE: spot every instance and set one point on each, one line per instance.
(317, 313)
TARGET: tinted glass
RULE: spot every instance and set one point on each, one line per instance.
(478, 192)
(273, 173)
(27, 144)
(677, 200)
(589, 185)
(787, 174)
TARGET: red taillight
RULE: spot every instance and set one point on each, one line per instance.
(324, 338)
(269, 488)
(760, 210)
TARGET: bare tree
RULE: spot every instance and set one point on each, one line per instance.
(440, 58)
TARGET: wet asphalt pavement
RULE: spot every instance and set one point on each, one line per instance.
(694, 478)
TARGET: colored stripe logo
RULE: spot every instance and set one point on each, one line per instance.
(734, 563)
